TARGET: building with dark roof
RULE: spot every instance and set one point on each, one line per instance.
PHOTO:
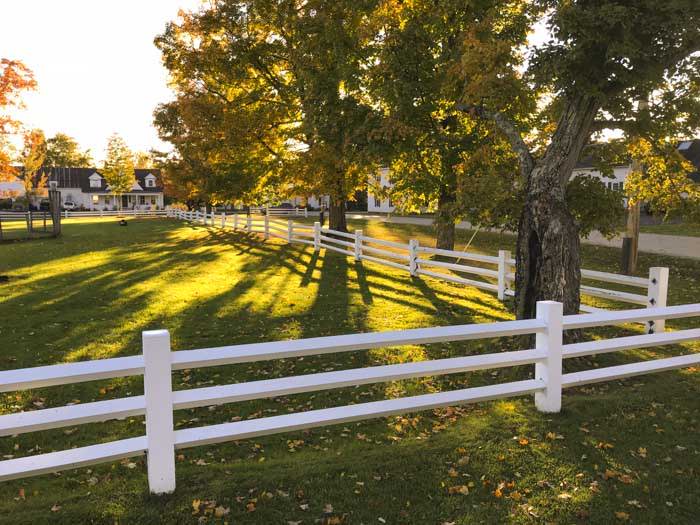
(690, 149)
(87, 188)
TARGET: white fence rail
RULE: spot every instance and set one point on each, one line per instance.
(280, 212)
(492, 273)
(159, 400)
(14, 215)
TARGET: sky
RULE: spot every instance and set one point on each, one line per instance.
(97, 69)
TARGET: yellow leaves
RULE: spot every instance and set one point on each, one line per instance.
(614, 474)
(553, 435)
(642, 452)
(220, 511)
(524, 441)
(604, 445)
(458, 489)
(622, 516)
(209, 508)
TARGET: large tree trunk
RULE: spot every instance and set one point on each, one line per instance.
(336, 215)
(548, 250)
(444, 220)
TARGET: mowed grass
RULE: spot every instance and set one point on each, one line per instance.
(619, 451)
(689, 229)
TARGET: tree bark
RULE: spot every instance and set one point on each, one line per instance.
(548, 250)
(336, 215)
(444, 220)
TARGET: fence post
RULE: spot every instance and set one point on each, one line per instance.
(412, 257)
(290, 230)
(158, 391)
(656, 296)
(267, 226)
(223, 219)
(249, 225)
(503, 258)
(317, 236)
(549, 342)
(65, 214)
(235, 221)
(358, 245)
(306, 212)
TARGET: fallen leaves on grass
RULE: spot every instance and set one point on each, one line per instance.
(458, 489)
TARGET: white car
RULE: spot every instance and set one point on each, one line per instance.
(69, 205)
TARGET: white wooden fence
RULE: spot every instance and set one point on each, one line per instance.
(22, 215)
(112, 213)
(159, 400)
(493, 273)
(280, 212)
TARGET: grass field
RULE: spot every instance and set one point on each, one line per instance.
(688, 229)
(620, 451)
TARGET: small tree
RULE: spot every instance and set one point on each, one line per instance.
(118, 167)
(32, 159)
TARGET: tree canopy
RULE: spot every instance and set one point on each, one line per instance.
(15, 78)
(64, 151)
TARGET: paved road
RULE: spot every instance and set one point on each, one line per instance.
(676, 245)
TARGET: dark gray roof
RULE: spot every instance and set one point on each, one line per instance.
(80, 178)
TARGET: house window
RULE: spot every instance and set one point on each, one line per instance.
(108, 200)
(153, 199)
(142, 199)
(95, 199)
(95, 181)
(377, 202)
(150, 181)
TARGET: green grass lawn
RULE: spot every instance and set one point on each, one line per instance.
(619, 451)
(688, 229)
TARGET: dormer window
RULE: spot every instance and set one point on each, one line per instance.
(95, 181)
(150, 181)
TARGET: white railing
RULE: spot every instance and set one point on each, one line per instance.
(159, 400)
(280, 212)
(492, 273)
(114, 213)
(8, 216)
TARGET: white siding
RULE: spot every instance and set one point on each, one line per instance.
(374, 203)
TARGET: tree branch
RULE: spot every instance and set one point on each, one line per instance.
(507, 127)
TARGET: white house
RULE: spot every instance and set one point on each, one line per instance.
(375, 203)
(690, 149)
(87, 188)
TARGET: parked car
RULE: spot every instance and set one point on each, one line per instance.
(69, 205)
